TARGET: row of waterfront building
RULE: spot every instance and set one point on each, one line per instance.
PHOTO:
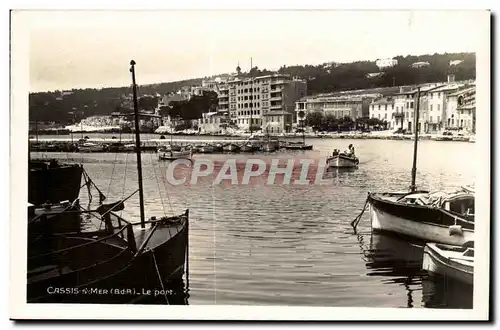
(273, 103)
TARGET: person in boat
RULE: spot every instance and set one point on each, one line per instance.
(335, 152)
(350, 151)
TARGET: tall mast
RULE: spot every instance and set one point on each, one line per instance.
(138, 144)
(415, 143)
(251, 94)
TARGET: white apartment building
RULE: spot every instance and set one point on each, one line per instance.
(383, 109)
(386, 63)
(248, 99)
(213, 122)
(462, 109)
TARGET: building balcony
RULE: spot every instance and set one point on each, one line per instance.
(278, 82)
(276, 98)
(398, 115)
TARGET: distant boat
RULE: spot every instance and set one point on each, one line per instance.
(248, 147)
(91, 147)
(456, 262)
(207, 149)
(231, 147)
(172, 155)
(298, 146)
(342, 160)
(472, 138)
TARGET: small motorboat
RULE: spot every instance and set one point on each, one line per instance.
(231, 147)
(218, 147)
(91, 147)
(208, 149)
(247, 148)
(342, 160)
(456, 262)
(172, 155)
(298, 146)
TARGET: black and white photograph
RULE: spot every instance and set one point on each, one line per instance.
(250, 160)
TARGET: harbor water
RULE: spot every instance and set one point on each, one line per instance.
(293, 245)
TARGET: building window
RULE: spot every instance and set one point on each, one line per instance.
(385, 116)
(439, 107)
(386, 107)
(411, 105)
(379, 106)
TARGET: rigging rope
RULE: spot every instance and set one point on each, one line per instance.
(164, 179)
(158, 184)
(124, 180)
(159, 276)
(112, 173)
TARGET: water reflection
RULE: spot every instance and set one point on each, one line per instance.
(396, 261)
(399, 262)
(442, 292)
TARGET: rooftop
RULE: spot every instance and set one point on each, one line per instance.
(384, 100)
(277, 113)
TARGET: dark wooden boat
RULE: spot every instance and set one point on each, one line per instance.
(116, 264)
(96, 256)
(298, 146)
(52, 181)
(247, 148)
(231, 147)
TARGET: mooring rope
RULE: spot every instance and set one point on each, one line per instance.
(159, 277)
(355, 222)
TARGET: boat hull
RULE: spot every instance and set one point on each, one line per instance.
(172, 155)
(121, 279)
(423, 223)
(437, 263)
(340, 161)
(54, 184)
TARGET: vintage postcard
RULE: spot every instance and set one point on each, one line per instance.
(250, 164)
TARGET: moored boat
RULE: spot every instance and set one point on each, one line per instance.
(172, 155)
(298, 146)
(456, 262)
(91, 147)
(444, 217)
(231, 147)
(206, 149)
(52, 181)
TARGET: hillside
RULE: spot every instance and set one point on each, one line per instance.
(328, 77)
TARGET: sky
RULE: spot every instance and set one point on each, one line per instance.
(92, 49)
